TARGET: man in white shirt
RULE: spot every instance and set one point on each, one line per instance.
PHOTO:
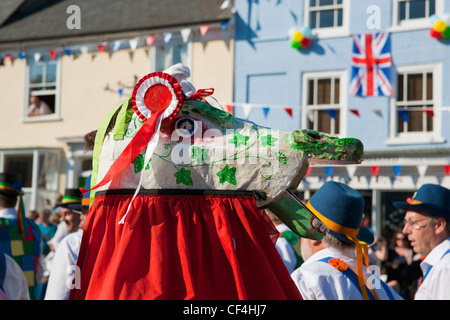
(427, 224)
(65, 273)
(37, 107)
(336, 267)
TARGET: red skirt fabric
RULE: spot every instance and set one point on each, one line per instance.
(180, 247)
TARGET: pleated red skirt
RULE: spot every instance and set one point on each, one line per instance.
(207, 247)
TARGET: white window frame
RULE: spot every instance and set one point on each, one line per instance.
(176, 40)
(56, 116)
(332, 32)
(342, 106)
(434, 136)
(31, 193)
(412, 24)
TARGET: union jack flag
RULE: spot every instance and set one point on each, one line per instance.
(371, 65)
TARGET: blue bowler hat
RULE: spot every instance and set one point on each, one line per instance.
(340, 208)
(431, 198)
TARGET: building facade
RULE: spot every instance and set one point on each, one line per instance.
(405, 129)
(83, 58)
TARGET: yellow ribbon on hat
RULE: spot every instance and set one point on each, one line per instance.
(362, 252)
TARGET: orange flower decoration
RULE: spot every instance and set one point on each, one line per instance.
(338, 264)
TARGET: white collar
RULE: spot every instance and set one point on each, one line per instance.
(435, 255)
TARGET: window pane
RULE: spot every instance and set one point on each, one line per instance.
(432, 7)
(310, 92)
(324, 91)
(400, 87)
(339, 18)
(417, 9)
(429, 86)
(36, 73)
(336, 91)
(429, 120)
(415, 87)
(21, 165)
(415, 121)
(312, 3)
(312, 20)
(325, 2)
(401, 11)
(51, 73)
(48, 172)
(324, 123)
(326, 19)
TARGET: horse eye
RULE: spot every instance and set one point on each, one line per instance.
(186, 127)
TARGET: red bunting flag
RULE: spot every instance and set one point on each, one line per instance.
(447, 169)
(204, 29)
(150, 40)
(374, 170)
(354, 111)
(100, 47)
(289, 111)
(429, 113)
(52, 54)
(229, 108)
(308, 171)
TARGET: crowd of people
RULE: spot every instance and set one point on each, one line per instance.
(38, 254)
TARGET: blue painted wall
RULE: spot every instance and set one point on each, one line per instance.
(269, 71)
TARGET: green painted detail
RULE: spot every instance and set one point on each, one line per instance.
(138, 163)
(184, 176)
(322, 146)
(239, 139)
(268, 140)
(295, 215)
(199, 154)
(227, 175)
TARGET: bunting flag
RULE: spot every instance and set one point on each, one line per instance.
(378, 112)
(185, 33)
(229, 108)
(397, 170)
(67, 51)
(266, 111)
(354, 111)
(289, 111)
(429, 112)
(52, 54)
(331, 113)
(224, 25)
(100, 47)
(308, 171)
(374, 170)
(149, 40)
(246, 108)
(329, 171)
(403, 114)
(22, 55)
(116, 45)
(204, 29)
(422, 169)
(120, 92)
(37, 56)
(133, 43)
(447, 169)
(167, 37)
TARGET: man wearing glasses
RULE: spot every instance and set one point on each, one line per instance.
(427, 224)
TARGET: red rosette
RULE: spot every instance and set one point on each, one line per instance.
(157, 92)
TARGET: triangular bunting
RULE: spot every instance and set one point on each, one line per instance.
(422, 169)
(397, 170)
(328, 171)
(52, 54)
(266, 111)
(229, 108)
(447, 169)
(149, 40)
(204, 29)
(246, 108)
(374, 170)
(404, 114)
(100, 47)
(331, 113)
(185, 33)
(378, 112)
(167, 36)
(354, 111)
(289, 111)
(133, 43)
(308, 171)
(429, 113)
